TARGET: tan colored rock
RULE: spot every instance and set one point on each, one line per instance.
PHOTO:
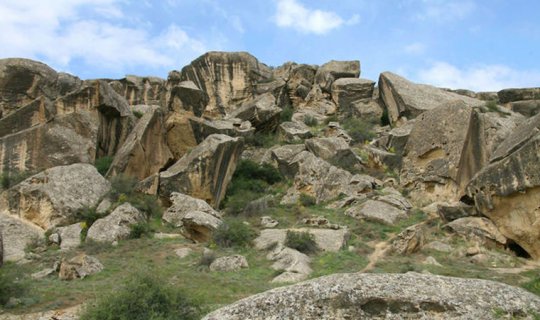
(140, 90)
(181, 137)
(369, 110)
(404, 99)
(334, 70)
(205, 172)
(336, 151)
(185, 95)
(383, 296)
(346, 91)
(16, 235)
(145, 151)
(233, 127)
(117, 225)
(409, 240)
(228, 78)
(53, 197)
(283, 156)
(294, 131)
(70, 236)
(477, 228)
(261, 112)
(79, 267)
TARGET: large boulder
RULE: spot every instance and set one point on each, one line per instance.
(326, 239)
(511, 95)
(140, 90)
(262, 112)
(145, 151)
(53, 197)
(229, 263)
(478, 229)
(17, 233)
(336, 151)
(229, 79)
(234, 127)
(443, 152)
(79, 267)
(299, 81)
(205, 172)
(405, 99)
(199, 226)
(181, 204)
(185, 95)
(283, 158)
(334, 70)
(508, 190)
(377, 211)
(181, 133)
(346, 91)
(294, 131)
(117, 225)
(293, 264)
(384, 296)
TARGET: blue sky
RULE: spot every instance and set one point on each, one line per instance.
(474, 44)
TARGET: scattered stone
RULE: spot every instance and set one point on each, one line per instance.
(115, 226)
(294, 131)
(268, 222)
(230, 263)
(198, 226)
(16, 235)
(439, 246)
(326, 239)
(183, 252)
(104, 206)
(377, 211)
(79, 267)
(54, 238)
(409, 240)
(432, 262)
(294, 264)
(182, 204)
(70, 236)
(321, 222)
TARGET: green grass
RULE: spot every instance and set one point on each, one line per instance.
(343, 261)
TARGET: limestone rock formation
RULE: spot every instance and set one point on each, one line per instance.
(185, 96)
(261, 112)
(346, 91)
(115, 226)
(326, 239)
(294, 131)
(511, 95)
(477, 228)
(409, 240)
(53, 197)
(384, 296)
(198, 226)
(205, 172)
(139, 90)
(17, 233)
(70, 236)
(293, 264)
(145, 151)
(334, 70)
(404, 99)
(181, 204)
(336, 151)
(229, 79)
(377, 211)
(229, 263)
(79, 267)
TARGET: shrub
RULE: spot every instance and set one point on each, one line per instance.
(144, 296)
(251, 170)
(310, 120)
(146, 203)
(306, 200)
(207, 258)
(233, 233)
(286, 113)
(301, 241)
(137, 114)
(262, 139)
(359, 129)
(122, 184)
(103, 164)
(10, 287)
(533, 286)
(139, 230)
(10, 178)
(491, 106)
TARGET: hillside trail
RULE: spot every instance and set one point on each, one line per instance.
(379, 252)
(527, 266)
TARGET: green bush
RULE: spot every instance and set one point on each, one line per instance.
(137, 114)
(359, 129)
(262, 139)
(233, 233)
(139, 230)
(103, 164)
(9, 179)
(248, 169)
(286, 113)
(10, 287)
(533, 286)
(301, 241)
(310, 120)
(306, 200)
(122, 184)
(144, 296)
(146, 203)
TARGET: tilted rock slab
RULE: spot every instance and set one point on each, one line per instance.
(181, 204)
(334, 70)
(405, 99)
(52, 197)
(145, 151)
(17, 233)
(205, 172)
(261, 112)
(385, 296)
(115, 226)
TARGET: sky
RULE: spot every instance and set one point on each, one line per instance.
(481, 45)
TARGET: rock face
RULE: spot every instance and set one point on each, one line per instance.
(334, 70)
(404, 99)
(206, 171)
(185, 96)
(115, 226)
(262, 112)
(145, 150)
(443, 152)
(70, 236)
(198, 226)
(139, 90)
(508, 190)
(54, 196)
(346, 91)
(384, 296)
(16, 235)
(511, 95)
(294, 131)
(229, 78)
(479, 229)
(336, 151)
(181, 204)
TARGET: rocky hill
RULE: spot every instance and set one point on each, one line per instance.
(231, 178)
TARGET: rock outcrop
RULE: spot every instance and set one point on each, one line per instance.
(181, 204)
(229, 263)
(406, 100)
(205, 172)
(185, 96)
(347, 91)
(334, 70)
(17, 233)
(199, 226)
(79, 267)
(117, 225)
(384, 296)
(53, 197)
(140, 90)
(262, 113)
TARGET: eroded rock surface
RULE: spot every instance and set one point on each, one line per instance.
(117, 225)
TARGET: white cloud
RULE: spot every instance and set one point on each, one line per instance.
(415, 48)
(96, 32)
(444, 11)
(477, 78)
(292, 14)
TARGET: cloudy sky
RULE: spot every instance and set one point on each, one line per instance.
(474, 44)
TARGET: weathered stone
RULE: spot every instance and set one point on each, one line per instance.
(229, 79)
(404, 99)
(283, 156)
(79, 267)
(43, 273)
(54, 196)
(444, 151)
(430, 261)
(334, 70)
(70, 236)
(183, 252)
(345, 91)
(398, 137)
(520, 136)
(259, 206)
(528, 108)
(16, 235)
(294, 131)
(335, 130)
(497, 128)
(369, 110)
(321, 222)
(382, 159)
(453, 211)
(439, 246)
(261, 112)
(508, 191)
(145, 151)
(181, 204)
(510, 95)
(326, 239)
(181, 136)
(409, 240)
(230, 263)
(234, 127)
(336, 151)
(205, 172)
(394, 197)
(198, 225)
(294, 264)
(377, 211)
(139, 90)
(115, 226)
(476, 228)
(268, 222)
(185, 96)
(384, 296)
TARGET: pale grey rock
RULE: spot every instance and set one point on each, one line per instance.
(384, 296)
(115, 226)
(409, 240)
(439, 246)
(268, 222)
(284, 156)
(394, 197)
(43, 273)
(321, 222)
(333, 70)
(104, 205)
(477, 228)
(326, 239)
(294, 131)
(70, 236)
(54, 196)
(233, 127)
(336, 151)
(54, 238)
(432, 262)
(368, 110)
(377, 211)
(181, 204)
(497, 128)
(183, 252)
(79, 267)
(229, 263)
(198, 226)
(294, 264)
(17, 233)
(262, 113)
